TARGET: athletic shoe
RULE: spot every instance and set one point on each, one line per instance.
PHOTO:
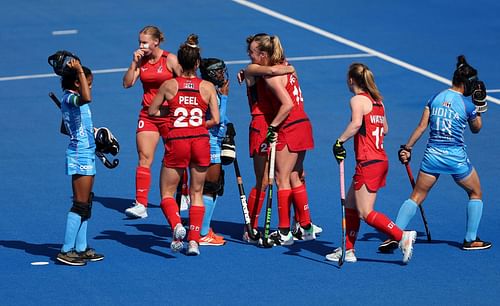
(477, 244)
(308, 234)
(281, 239)
(71, 258)
(297, 234)
(137, 211)
(249, 240)
(388, 246)
(406, 244)
(193, 249)
(178, 234)
(212, 239)
(90, 255)
(337, 254)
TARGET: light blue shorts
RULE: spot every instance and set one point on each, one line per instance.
(446, 160)
(82, 163)
(215, 148)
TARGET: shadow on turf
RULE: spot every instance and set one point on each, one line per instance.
(118, 204)
(49, 250)
(143, 243)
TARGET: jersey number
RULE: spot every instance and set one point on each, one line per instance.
(378, 133)
(297, 93)
(195, 117)
(443, 125)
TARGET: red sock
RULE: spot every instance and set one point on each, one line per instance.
(296, 213)
(284, 202)
(352, 224)
(195, 219)
(302, 203)
(255, 206)
(384, 224)
(142, 183)
(171, 211)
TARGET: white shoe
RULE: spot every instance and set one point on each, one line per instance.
(297, 234)
(178, 234)
(281, 239)
(308, 234)
(193, 249)
(406, 244)
(137, 211)
(317, 230)
(337, 253)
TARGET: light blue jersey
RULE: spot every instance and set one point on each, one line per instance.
(218, 132)
(450, 112)
(80, 154)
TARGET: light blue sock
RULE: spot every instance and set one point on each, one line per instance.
(474, 213)
(209, 202)
(81, 237)
(406, 213)
(72, 225)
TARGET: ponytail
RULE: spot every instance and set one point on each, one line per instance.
(364, 78)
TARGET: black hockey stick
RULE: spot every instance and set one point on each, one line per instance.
(269, 208)
(424, 219)
(244, 205)
(99, 155)
(342, 204)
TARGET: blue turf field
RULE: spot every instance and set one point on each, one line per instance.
(395, 39)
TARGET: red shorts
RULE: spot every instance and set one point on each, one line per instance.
(152, 124)
(182, 151)
(257, 136)
(371, 173)
(297, 135)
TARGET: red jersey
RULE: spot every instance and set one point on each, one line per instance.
(259, 99)
(152, 76)
(369, 140)
(187, 109)
(297, 113)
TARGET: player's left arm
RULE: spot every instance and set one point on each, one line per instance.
(209, 93)
(173, 64)
(277, 86)
(357, 105)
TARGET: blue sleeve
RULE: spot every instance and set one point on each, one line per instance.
(223, 109)
(470, 110)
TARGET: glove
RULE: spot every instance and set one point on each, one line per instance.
(271, 134)
(339, 151)
(402, 159)
(105, 141)
(228, 147)
(479, 97)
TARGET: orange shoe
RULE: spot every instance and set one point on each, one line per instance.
(212, 239)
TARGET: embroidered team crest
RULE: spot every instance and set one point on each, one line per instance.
(160, 69)
(189, 85)
(446, 104)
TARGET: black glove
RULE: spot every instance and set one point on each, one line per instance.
(228, 146)
(479, 97)
(406, 149)
(105, 141)
(271, 134)
(339, 151)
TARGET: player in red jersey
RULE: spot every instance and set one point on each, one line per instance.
(261, 112)
(285, 116)
(368, 126)
(152, 66)
(187, 141)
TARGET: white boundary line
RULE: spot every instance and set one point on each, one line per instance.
(65, 32)
(349, 43)
(113, 70)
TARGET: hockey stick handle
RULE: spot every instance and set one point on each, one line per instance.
(342, 202)
(422, 213)
(267, 225)
(243, 200)
(55, 99)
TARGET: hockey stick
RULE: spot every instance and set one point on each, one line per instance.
(99, 155)
(269, 208)
(342, 204)
(244, 205)
(424, 219)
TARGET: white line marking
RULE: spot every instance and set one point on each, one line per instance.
(39, 263)
(493, 90)
(113, 70)
(349, 43)
(65, 32)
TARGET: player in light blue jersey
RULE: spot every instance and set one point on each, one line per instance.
(214, 70)
(76, 82)
(447, 114)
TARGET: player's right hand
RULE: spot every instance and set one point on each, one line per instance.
(224, 89)
(138, 54)
(241, 76)
(404, 154)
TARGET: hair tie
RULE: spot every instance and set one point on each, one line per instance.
(460, 66)
(191, 45)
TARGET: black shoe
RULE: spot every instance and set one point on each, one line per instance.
(90, 255)
(71, 258)
(477, 244)
(388, 246)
